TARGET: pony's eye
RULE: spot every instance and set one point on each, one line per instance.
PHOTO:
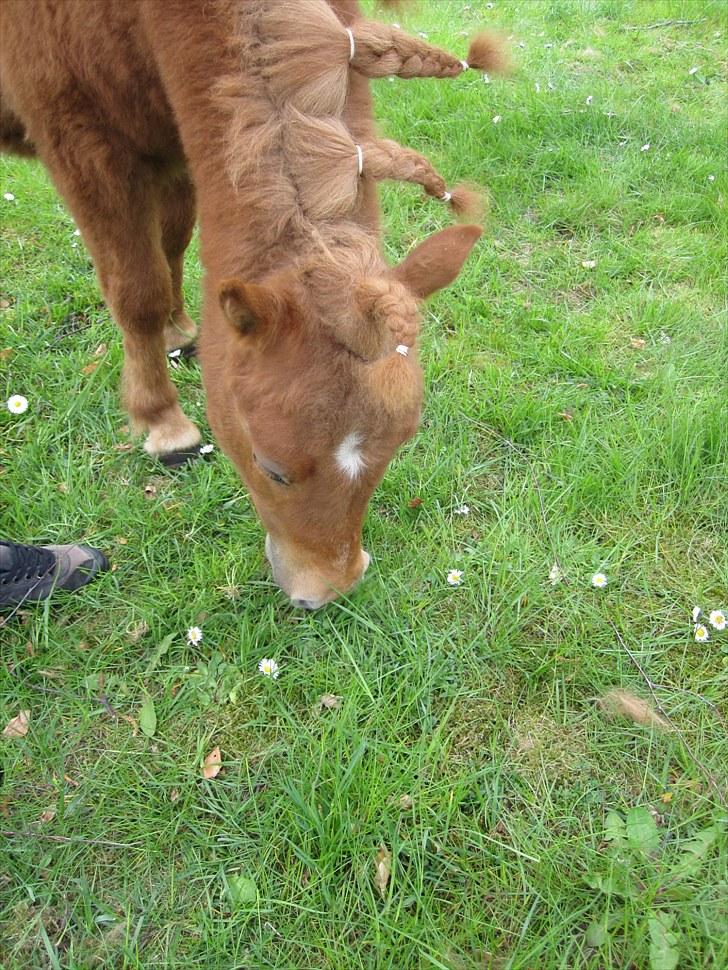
(275, 477)
(269, 473)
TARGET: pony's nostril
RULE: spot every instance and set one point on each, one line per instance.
(304, 604)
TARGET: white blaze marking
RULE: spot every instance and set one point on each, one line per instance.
(349, 457)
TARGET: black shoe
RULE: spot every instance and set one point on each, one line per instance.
(29, 573)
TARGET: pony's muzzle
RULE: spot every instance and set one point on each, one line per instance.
(308, 589)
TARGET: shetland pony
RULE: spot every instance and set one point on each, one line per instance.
(255, 117)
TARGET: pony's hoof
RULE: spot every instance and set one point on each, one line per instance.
(189, 352)
(182, 457)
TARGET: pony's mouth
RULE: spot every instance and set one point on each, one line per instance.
(307, 590)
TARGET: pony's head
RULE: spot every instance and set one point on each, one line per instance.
(319, 387)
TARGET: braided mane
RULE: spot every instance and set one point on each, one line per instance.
(288, 139)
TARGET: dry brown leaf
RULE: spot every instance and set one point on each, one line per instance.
(137, 631)
(637, 343)
(122, 540)
(330, 701)
(405, 802)
(123, 446)
(212, 764)
(100, 350)
(131, 721)
(150, 490)
(414, 503)
(4, 304)
(566, 415)
(17, 727)
(5, 353)
(174, 795)
(70, 781)
(383, 869)
(48, 815)
(621, 703)
(90, 368)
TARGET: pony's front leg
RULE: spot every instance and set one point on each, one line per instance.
(139, 293)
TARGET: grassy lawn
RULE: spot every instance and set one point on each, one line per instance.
(576, 403)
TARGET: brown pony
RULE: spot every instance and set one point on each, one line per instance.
(256, 115)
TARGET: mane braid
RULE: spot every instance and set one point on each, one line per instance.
(291, 155)
(289, 199)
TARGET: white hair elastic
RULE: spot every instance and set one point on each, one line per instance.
(402, 349)
(360, 157)
(352, 45)
(445, 197)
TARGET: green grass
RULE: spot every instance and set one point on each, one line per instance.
(476, 702)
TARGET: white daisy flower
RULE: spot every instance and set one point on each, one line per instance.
(194, 635)
(590, 99)
(693, 70)
(462, 510)
(486, 78)
(17, 404)
(599, 580)
(269, 668)
(717, 619)
(555, 574)
(497, 119)
(455, 577)
(701, 633)
(538, 87)
(645, 147)
(76, 232)
(711, 178)
(206, 449)
(696, 613)
(9, 197)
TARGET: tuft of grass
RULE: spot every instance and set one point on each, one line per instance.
(578, 410)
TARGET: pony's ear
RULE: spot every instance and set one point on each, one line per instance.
(437, 261)
(250, 308)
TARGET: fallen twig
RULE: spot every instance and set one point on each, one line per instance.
(103, 700)
(663, 23)
(67, 839)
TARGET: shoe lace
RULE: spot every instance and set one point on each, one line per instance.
(26, 562)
